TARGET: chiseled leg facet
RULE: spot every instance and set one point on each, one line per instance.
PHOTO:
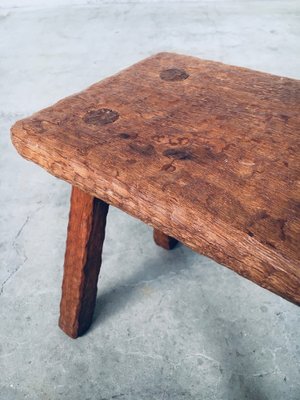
(86, 231)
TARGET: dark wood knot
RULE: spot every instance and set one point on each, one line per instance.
(102, 116)
(128, 135)
(173, 74)
(178, 154)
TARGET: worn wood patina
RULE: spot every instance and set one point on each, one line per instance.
(204, 152)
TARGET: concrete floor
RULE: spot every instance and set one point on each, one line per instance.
(168, 325)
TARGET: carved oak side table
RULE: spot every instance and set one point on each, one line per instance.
(204, 152)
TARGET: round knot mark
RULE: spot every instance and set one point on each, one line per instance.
(168, 168)
(101, 117)
(173, 74)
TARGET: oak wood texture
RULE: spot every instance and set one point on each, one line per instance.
(164, 241)
(86, 231)
(205, 152)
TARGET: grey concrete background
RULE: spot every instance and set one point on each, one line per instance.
(168, 325)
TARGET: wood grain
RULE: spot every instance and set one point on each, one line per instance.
(205, 152)
(164, 241)
(86, 233)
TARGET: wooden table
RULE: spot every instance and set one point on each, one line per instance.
(204, 152)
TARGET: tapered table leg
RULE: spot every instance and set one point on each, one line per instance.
(163, 240)
(86, 231)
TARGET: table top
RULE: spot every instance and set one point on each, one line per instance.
(206, 152)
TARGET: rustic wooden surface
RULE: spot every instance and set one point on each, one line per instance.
(205, 152)
(164, 241)
(86, 233)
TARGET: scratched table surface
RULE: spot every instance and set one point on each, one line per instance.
(206, 152)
